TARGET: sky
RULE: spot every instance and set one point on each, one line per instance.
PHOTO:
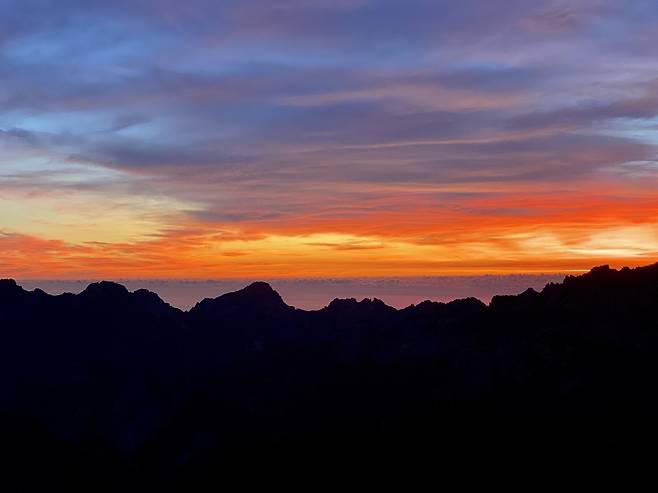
(205, 139)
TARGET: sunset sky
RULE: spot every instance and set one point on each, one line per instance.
(289, 138)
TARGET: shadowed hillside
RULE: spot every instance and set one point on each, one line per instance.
(112, 384)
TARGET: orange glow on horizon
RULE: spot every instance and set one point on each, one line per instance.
(514, 233)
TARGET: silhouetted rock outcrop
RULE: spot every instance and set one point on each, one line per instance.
(127, 386)
(256, 300)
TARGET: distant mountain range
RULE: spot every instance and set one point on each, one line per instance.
(110, 386)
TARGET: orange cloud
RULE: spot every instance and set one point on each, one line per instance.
(516, 232)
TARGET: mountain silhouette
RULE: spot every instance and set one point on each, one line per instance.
(256, 300)
(119, 385)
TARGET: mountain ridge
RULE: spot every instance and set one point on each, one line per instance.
(123, 385)
(261, 290)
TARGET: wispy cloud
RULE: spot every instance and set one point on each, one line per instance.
(242, 133)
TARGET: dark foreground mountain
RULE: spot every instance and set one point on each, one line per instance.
(116, 389)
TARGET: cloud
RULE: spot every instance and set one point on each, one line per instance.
(417, 122)
(560, 16)
(584, 115)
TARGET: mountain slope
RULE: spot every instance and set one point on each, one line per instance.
(245, 377)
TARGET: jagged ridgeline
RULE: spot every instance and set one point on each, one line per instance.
(117, 384)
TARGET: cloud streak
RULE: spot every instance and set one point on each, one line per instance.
(483, 134)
